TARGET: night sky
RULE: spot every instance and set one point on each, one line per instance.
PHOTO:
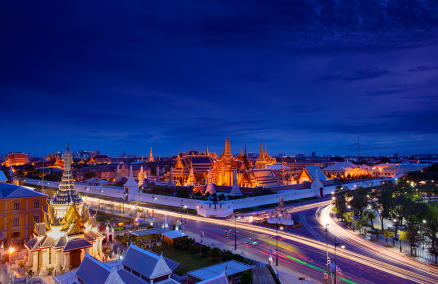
(178, 75)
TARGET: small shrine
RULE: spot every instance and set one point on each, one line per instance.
(280, 215)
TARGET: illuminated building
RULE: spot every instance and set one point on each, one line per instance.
(137, 267)
(309, 173)
(99, 159)
(344, 169)
(193, 169)
(20, 207)
(66, 231)
(16, 159)
(261, 162)
(151, 157)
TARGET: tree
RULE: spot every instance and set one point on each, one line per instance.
(412, 236)
(90, 174)
(383, 205)
(368, 215)
(431, 168)
(387, 234)
(432, 228)
(359, 200)
(385, 160)
(246, 277)
(340, 204)
(359, 224)
(348, 217)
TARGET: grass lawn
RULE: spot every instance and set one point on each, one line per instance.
(191, 261)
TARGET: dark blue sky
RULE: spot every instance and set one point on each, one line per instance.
(178, 75)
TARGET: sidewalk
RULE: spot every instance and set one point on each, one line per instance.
(286, 275)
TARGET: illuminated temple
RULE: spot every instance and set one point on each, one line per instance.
(193, 169)
(67, 231)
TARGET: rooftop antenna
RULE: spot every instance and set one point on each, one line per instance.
(358, 146)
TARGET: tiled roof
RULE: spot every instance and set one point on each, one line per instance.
(15, 191)
(92, 271)
(142, 261)
(127, 277)
(312, 170)
(340, 166)
(76, 243)
(2, 177)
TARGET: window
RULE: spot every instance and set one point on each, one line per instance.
(36, 219)
(15, 235)
(16, 221)
(16, 206)
(36, 204)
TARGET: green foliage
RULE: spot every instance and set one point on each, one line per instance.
(262, 191)
(184, 192)
(348, 217)
(246, 277)
(90, 174)
(161, 190)
(53, 177)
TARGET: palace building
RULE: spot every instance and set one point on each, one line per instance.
(66, 232)
(193, 169)
(16, 159)
(99, 159)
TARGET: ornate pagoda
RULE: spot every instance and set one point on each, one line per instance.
(67, 194)
(67, 231)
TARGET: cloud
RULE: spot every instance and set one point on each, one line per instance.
(422, 69)
(364, 74)
(382, 93)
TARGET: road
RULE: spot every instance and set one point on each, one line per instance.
(304, 249)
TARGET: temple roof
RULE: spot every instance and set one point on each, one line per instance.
(77, 243)
(15, 191)
(3, 177)
(145, 262)
(92, 271)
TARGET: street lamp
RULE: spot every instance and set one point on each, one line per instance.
(276, 241)
(10, 251)
(326, 246)
(336, 264)
(235, 232)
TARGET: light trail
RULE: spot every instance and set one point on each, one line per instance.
(382, 252)
(431, 273)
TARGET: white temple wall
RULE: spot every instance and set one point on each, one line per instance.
(292, 194)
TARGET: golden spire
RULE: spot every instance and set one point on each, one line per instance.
(227, 152)
(261, 156)
(178, 162)
(207, 150)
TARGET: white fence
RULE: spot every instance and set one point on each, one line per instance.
(290, 194)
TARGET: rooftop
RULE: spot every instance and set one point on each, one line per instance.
(15, 191)
(232, 267)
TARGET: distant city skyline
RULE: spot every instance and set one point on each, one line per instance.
(218, 148)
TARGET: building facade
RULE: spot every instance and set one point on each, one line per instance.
(20, 207)
(16, 159)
